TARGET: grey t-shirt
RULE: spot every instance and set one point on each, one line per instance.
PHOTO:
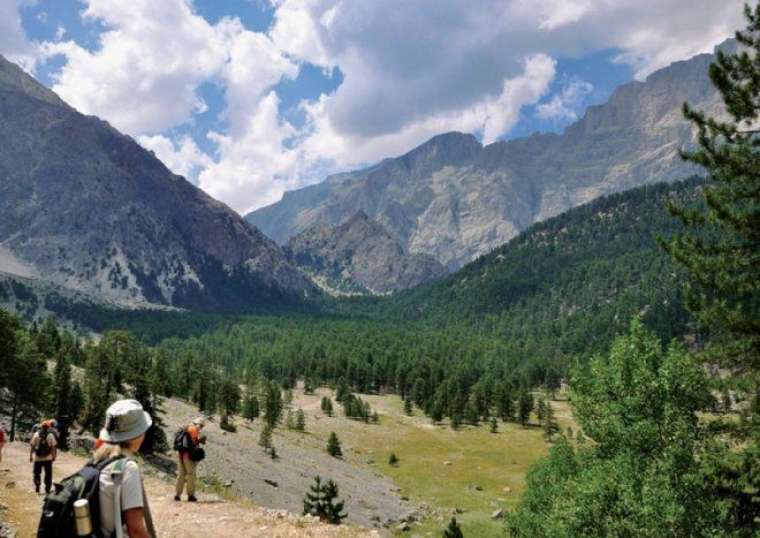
(131, 494)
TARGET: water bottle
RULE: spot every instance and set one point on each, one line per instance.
(82, 518)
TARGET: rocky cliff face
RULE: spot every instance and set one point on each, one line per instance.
(87, 208)
(359, 256)
(454, 199)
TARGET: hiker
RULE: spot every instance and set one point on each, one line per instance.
(187, 442)
(2, 440)
(42, 453)
(122, 496)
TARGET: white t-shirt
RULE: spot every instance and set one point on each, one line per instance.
(131, 494)
(51, 444)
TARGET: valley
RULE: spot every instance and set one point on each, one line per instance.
(348, 276)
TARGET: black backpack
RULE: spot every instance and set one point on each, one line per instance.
(57, 520)
(43, 447)
(182, 441)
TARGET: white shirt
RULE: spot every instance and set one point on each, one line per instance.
(131, 494)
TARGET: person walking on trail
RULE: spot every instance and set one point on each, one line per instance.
(123, 505)
(187, 443)
(42, 453)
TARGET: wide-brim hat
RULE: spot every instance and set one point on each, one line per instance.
(125, 420)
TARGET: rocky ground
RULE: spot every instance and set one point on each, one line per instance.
(236, 463)
(213, 515)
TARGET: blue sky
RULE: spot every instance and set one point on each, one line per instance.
(249, 98)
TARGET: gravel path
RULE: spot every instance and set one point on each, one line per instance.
(211, 516)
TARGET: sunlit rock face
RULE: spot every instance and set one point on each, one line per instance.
(359, 256)
(453, 199)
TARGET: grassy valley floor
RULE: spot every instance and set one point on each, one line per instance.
(470, 469)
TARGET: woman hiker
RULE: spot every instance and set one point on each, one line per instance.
(124, 509)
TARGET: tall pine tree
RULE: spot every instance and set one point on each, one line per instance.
(721, 248)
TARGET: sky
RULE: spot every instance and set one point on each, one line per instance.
(250, 98)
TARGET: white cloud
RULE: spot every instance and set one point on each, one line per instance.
(564, 105)
(556, 13)
(491, 116)
(254, 168)
(183, 157)
(151, 58)
(411, 70)
(14, 44)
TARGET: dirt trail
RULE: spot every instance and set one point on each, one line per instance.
(211, 516)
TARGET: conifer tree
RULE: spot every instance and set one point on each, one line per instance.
(436, 412)
(552, 381)
(494, 425)
(98, 389)
(525, 406)
(327, 406)
(322, 501)
(333, 446)
(722, 241)
(67, 401)
(504, 405)
(300, 420)
(541, 410)
(49, 339)
(333, 507)
(393, 459)
(342, 390)
(8, 345)
(309, 386)
(229, 397)
(471, 413)
(550, 425)
(250, 405)
(272, 404)
(408, 409)
(27, 381)
(312, 501)
(453, 530)
(456, 421)
(290, 420)
(265, 437)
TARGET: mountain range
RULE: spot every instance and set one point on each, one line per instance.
(454, 199)
(86, 208)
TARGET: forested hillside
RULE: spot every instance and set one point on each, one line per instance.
(569, 284)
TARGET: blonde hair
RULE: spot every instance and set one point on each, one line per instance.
(108, 450)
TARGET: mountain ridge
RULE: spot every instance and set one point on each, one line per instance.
(89, 209)
(455, 199)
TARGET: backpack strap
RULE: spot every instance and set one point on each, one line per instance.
(117, 472)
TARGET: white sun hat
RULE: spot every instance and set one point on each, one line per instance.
(125, 420)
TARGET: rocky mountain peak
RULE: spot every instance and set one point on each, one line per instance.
(15, 79)
(453, 199)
